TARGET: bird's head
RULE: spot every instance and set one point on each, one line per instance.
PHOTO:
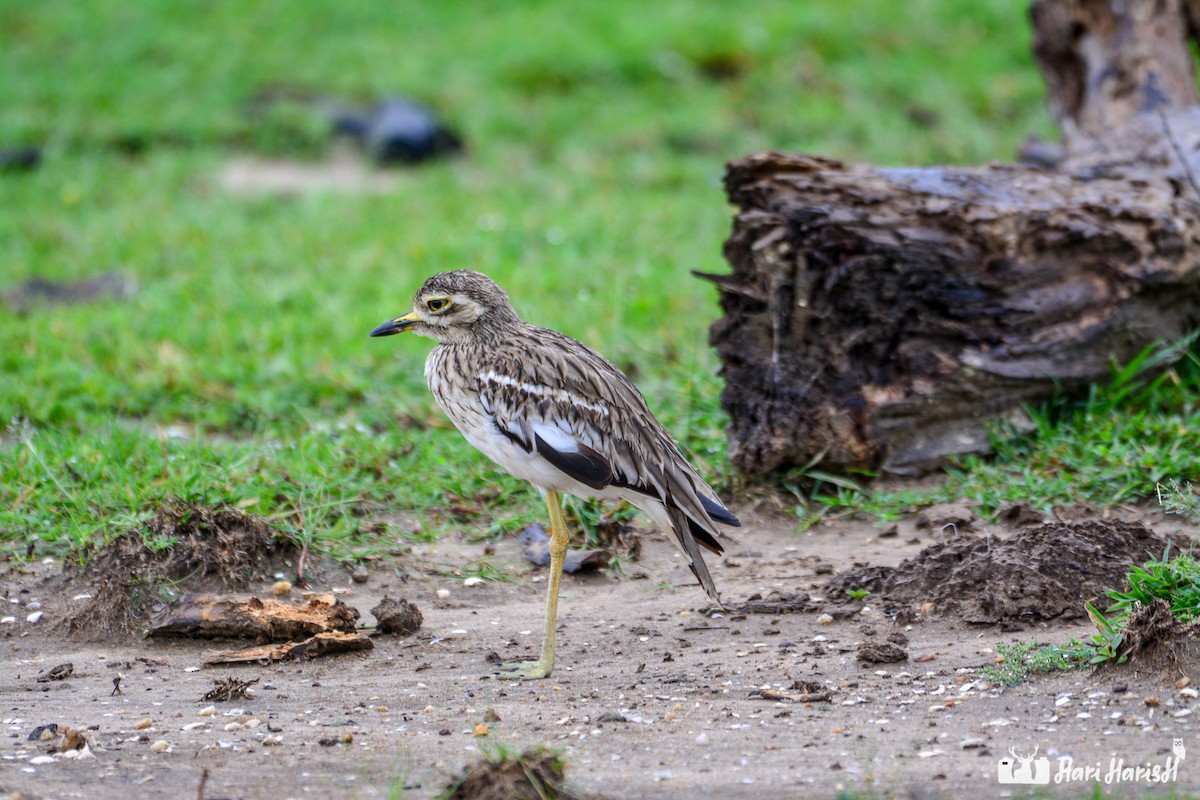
(453, 306)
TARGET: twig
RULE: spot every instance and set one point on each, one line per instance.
(1187, 167)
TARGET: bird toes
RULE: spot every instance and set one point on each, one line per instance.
(523, 670)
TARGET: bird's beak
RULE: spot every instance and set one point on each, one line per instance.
(397, 325)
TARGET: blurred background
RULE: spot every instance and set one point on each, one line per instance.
(190, 260)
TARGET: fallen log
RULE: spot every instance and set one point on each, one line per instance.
(883, 318)
(241, 616)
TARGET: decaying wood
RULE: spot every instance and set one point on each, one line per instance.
(881, 318)
(241, 616)
(1108, 63)
(318, 645)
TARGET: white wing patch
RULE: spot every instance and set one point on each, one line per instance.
(555, 437)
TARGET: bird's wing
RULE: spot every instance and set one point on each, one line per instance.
(590, 422)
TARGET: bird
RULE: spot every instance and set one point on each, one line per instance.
(554, 412)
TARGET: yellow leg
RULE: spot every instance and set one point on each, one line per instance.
(532, 670)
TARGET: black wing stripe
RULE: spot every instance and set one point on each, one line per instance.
(719, 513)
(586, 466)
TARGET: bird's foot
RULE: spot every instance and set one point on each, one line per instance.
(524, 670)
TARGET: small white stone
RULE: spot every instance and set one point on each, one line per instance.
(8, 620)
(474, 580)
(35, 616)
(825, 619)
(443, 594)
(160, 747)
(39, 760)
(207, 711)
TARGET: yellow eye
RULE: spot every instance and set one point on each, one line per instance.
(437, 303)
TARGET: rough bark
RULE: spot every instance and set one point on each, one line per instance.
(881, 318)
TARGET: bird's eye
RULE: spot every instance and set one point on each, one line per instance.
(437, 303)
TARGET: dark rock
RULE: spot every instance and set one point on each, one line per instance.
(399, 131)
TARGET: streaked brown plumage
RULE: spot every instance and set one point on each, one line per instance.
(554, 412)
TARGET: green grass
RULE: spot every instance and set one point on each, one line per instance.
(596, 141)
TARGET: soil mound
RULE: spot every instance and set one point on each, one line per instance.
(184, 546)
(1042, 573)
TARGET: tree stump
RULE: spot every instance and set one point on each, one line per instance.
(882, 318)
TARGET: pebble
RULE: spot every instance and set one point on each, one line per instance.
(474, 580)
(160, 747)
(39, 760)
(142, 724)
(443, 594)
(272, 741)
(825, 619)
(280, 588)
(207, 711)
(35, 616)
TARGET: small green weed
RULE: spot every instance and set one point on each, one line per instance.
(1021, 659)
(1176, 580)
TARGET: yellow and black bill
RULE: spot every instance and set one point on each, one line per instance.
(398, 325)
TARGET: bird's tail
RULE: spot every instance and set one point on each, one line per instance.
(682, 528)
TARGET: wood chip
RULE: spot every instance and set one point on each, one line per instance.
(319, 645)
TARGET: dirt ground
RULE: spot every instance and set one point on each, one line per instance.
(650, 697)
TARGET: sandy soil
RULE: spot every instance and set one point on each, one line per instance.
(650, 698)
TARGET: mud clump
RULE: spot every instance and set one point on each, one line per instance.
(183, 546)
(1042, 573)
(397, 616)
(881, 653)
(533, 775)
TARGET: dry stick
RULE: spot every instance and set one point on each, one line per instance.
(300, 582)
(1187, 167)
